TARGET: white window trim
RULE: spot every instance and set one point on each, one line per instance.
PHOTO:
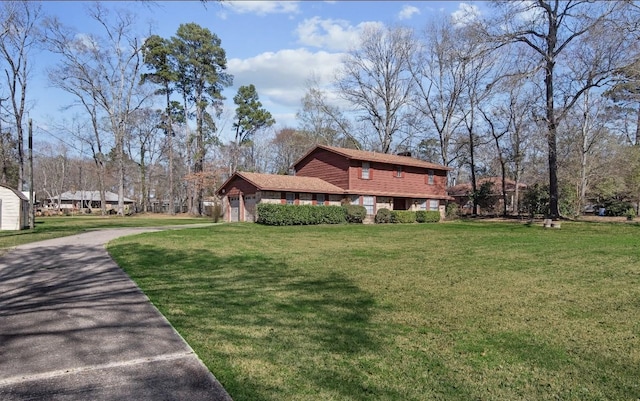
(366, 170)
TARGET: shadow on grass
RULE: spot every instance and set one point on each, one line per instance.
(261, 325)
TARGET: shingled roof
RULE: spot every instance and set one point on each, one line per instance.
(377, 157)
(290, 183)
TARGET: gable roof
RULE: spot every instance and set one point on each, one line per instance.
(290, 183)
(89, 196)
(376, 157)
(16, 192)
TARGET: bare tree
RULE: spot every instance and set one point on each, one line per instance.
(20, 34)
(53, 171)
(375, 80)
(561, 32)
(102, 73)
(288, 145)
(144, 147)
(439, 72)
(325, 122)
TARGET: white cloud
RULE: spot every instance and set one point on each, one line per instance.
(84, 42)
(529, 11)
(282, 76)
(465, 14)
(408, 12)
(330, 34)
(262, 7)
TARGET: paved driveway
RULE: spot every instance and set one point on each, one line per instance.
(73, 326)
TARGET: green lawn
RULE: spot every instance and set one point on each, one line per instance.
(454, 311)
(60, 226)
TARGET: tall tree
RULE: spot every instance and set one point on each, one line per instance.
(625, 93)
(375, 80)
(102, 73)
(158, 58)
(439, 73)
(144, 147)
(201, 66)
(250, 117)
(20, 34)
(561, 32)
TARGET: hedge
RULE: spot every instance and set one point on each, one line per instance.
(291, 215)
(427, 216)
(403, 216)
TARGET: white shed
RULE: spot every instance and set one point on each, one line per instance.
(14, 209)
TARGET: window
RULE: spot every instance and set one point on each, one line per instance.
(369, 203)
(433, 204)
(430, 179)
(422, 204)
(355, 199)
(365, 170)
(320, 199)
(399, 171)
(291, 198)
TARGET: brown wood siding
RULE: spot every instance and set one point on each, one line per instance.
(237, 186)
(328, 166)
(383, 179)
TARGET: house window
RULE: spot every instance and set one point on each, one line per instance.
(399, 171)
(369, 203)
(355, 199)
(433, 204)
(430, 179)
(365, 170)
(291, 198)
(320, 199)
(422, 204)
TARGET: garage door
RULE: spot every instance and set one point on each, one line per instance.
(250, 208)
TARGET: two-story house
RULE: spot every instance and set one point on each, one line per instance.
(328, 175)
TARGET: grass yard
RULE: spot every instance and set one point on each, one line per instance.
(455, 311)
(61, 226)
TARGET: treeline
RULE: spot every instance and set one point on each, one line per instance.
(535, 92)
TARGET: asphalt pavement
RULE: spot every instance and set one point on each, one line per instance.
(73, 326)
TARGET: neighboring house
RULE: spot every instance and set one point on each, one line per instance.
(329, 175)
(77, 200)
(14, 209)
(461, 194)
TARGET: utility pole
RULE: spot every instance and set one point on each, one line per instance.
(32, 211)
(3, 177)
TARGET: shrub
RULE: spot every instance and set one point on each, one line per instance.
(616, 207)
(289, 215)
(383, 216)
(484, 197)
(630, 214)
(453, 211)
(355, 213)
(216, 212)
(536, 200)
(430, 216)
(403, 216)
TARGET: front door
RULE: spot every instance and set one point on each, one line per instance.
(400, 204)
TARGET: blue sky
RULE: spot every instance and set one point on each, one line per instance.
(275, 45)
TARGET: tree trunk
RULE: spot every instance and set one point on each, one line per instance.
(554, 211)
(172, 193)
